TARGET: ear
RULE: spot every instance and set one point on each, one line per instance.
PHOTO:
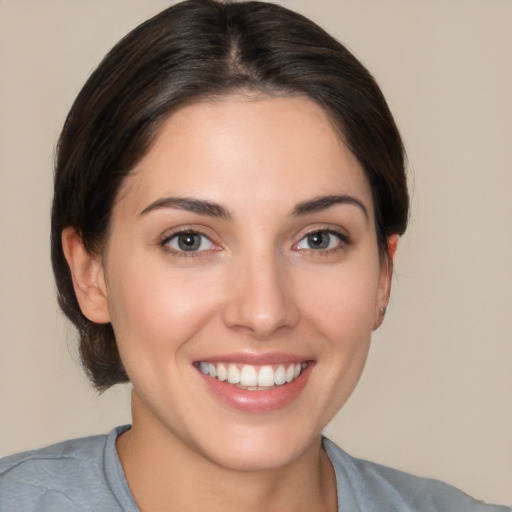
(88, 277)
(386, 273)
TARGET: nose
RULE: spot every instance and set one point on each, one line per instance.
(261, 300)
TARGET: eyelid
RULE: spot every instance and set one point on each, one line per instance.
(334, 231)
(184, 230)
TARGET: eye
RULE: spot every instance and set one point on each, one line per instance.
(188, 241)
(323, 240)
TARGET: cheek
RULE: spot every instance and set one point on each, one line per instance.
(344, 299)
(158, 308)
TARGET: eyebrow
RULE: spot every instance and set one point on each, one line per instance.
(324, 202)
(201, 206)
(212, 209)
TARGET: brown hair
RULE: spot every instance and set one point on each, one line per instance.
(194, 50)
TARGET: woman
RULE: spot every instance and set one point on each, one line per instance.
(229, 193)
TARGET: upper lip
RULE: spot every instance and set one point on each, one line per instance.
(257, 359)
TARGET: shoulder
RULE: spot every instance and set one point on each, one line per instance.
(74, 475)
(371, 487)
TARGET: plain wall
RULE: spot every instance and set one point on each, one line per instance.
(436, 396)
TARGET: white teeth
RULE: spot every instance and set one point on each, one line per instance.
(252, 377)
(289, 373)
(280, 375)
(266, 376)
(222, 373)
(212, 370)
(248, 376)
(233, 374)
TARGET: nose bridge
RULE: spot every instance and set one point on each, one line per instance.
(261, 301)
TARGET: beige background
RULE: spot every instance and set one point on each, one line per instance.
(436, 396)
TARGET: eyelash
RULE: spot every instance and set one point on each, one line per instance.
(184, 253)
(343, 240)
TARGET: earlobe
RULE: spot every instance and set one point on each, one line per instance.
(88, 277)
(385, 280)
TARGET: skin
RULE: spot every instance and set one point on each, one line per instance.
(257, 286)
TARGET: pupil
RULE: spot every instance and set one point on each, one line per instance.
(189, 242)
(319, 240)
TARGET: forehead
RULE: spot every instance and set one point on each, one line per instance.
(281, 148)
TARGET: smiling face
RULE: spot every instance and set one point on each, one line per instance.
(242, 279)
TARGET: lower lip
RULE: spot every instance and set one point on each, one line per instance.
(258, 401)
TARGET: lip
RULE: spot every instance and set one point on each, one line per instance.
(259, 401)
(259, 359)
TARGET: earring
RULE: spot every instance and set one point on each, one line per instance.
(380, 318)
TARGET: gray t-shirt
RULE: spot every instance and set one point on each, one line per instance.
(86, 475)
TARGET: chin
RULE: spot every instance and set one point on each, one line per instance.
(259, 449)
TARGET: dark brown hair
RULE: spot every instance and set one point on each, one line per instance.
(194, 50)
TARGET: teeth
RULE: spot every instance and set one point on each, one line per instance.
(253, 377)
(248, 376)
(266, 377)
(289, 373)
(222, 373)
(233, 374)
(280, 375)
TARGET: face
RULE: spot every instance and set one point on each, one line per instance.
(242, 278)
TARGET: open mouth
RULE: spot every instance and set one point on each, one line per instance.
(251, 377)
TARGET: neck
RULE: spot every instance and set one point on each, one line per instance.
(165, 474)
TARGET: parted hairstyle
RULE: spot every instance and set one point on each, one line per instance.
(192, 51)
